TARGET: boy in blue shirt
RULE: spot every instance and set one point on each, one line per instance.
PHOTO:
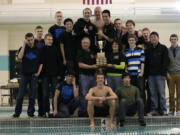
(66, 97)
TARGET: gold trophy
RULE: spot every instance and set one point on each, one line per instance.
(101, 59)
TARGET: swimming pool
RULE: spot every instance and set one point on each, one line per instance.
(127, 130)
(166, 125)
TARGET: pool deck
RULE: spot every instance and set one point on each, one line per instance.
(156, 125)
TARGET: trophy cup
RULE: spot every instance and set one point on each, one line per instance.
(101, 59)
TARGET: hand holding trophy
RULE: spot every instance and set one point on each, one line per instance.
(101, 59)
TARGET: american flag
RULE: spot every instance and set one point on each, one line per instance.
(96, 2)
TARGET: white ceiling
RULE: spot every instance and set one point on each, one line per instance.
(139, 10)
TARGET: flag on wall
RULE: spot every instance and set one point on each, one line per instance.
(96, 2)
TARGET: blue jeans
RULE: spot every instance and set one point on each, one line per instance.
(114, 82)
(157, 90)
(125, 109)
(85, 83)
(49, 84)
(25, 80)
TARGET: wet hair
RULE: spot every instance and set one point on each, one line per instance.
(99, 72)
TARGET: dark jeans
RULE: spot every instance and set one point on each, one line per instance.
(65, 110)
(70, 66)
(140, 83)
(49, 84)
(40, 97)
(125, 109)
(85, 83)
(148, 100)
(25, 80)
(114, 82)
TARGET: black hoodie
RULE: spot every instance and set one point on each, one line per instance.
(79, 31)
(51, 64)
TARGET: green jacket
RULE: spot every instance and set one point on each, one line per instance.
(131, 93)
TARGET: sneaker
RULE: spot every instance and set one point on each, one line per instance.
(153, 113)
(178, 113)
(149, 114)
(142, 123)
(121, 123)
(40, 116)
(117, 121)
(171, 113)
(15, 115)
(46, 115)
(164, 114)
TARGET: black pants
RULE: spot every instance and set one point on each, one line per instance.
(40, 97)
(25, 80)
(65, 110)
(125, 109)
(140, 83)
(49, 85)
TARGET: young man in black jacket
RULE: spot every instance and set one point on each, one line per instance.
(56, 31)
(157, 62)
(68, 46)
(107, 34)
(84, 27)
(50, 71)
(39, 43)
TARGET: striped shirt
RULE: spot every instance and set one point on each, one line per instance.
(134, 59)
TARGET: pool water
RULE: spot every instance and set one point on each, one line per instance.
(126, 130)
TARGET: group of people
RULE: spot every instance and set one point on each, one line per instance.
(64, 63)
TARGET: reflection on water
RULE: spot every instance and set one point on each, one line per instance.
(127, 130)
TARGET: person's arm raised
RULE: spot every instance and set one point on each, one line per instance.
(76, 91)
(21, 52)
